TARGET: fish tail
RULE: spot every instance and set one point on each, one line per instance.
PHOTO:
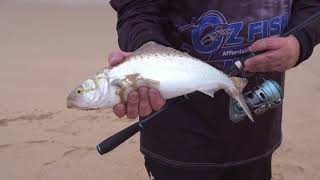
(236, 93)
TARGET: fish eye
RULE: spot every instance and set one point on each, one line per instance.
(79, 91)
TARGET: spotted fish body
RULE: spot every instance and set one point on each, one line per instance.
(170, 71)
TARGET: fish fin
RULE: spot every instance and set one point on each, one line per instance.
(122, 89)
(244, 105)
(135, 81)
(240, 84)
(147, 47)
(208, 92)
(152, 47)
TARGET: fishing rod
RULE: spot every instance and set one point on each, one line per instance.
(115, 140)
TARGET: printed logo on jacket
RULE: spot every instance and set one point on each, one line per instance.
(221, 42)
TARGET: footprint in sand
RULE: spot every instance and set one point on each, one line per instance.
(277, 176)
(88, 118)
(4, 146)
(49, 163)
(280, 170)
(37, 142)
(28, 117)
(74, 133)
(133, 141)
(79, 151)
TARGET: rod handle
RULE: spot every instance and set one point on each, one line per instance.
(115, 140)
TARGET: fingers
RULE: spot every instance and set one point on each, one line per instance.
(143, 102)
(133, 105)
(120, 110)
(117, 57)
(257, 61)
(266, 44)
(280, 54)
(157, 102)
(140, 103)
(266, 62)
(144, 105)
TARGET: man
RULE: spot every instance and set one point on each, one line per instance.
(196, 139)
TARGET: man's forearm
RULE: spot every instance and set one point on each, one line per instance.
(140, 21)
(310, 35)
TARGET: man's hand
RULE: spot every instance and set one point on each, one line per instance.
(282, 53)
(141, 102)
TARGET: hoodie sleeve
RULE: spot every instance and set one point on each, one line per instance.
(140, 21)
(309, 36)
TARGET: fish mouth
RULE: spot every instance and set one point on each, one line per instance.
(70, 105)
(83, 108)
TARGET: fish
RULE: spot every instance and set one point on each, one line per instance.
(172, 72)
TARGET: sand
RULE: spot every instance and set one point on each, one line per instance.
(46, 49)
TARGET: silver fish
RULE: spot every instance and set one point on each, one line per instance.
(172, 72)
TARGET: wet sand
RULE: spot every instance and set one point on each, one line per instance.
(47, 49)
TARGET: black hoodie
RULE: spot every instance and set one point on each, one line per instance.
(198, 133)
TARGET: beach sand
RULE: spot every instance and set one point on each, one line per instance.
(46, 49)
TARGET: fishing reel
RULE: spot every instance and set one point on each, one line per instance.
(262, 98)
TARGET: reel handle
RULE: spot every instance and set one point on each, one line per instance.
(238, 65)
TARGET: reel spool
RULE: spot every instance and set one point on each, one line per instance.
(264, 97)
